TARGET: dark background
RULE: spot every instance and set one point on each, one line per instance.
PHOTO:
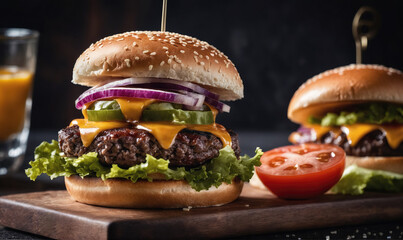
(276, 46)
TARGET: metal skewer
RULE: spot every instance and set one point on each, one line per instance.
(365, 27)
(164, 15)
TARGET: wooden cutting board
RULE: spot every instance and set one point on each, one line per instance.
(54, 214)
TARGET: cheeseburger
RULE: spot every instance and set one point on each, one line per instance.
(360, 109)
(148, 136)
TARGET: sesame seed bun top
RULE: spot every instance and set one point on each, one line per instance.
(160, 55)
(335, 89)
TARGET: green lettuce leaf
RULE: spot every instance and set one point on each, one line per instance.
(374, 113)
(356, 180)
(49, 160)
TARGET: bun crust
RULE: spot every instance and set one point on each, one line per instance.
(390, 164)
(143, 194)
(343, 86)
(159, 55)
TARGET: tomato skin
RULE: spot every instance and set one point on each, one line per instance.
(302, 186)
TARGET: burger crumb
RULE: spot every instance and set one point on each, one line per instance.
(187, 209)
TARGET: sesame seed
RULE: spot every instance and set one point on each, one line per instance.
(162, 63)
(169, 61)
(127, 61)
(216, 61)
(134, 44)
(153, 53)
(166, 52)
(196, 53)
(182, 51)
(207, 57)
(164, 47)
(137, 58)
(126, 48)
(150, 67)
(202, 63)
(146, 51)
(196, 59)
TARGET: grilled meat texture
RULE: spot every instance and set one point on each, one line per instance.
(372, 144)
(128, 146)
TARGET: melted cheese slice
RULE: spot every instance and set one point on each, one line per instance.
(133, 108)
(165, 133)
(355, 132)
(90, 129)
(321, 130)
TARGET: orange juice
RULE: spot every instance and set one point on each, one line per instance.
(15, 85)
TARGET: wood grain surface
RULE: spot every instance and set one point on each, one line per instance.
(54, 214)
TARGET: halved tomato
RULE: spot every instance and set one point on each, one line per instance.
(301, 171)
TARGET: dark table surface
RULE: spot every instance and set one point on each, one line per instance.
(19, 183)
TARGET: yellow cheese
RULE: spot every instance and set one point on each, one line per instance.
(321, 130)
(394, 135)
(355, 132)
(90, 129)
(132, 108)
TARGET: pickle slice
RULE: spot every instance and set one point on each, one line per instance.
(105, 115)
(105, 111)
(164, 112)
(178, 116)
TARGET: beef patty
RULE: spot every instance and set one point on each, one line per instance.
(128, 146)
(372, 144)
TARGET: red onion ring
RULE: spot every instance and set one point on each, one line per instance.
(138, 93)
(159, 83)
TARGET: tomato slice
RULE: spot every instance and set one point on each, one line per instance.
(301, 171)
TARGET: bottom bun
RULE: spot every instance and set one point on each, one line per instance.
(390, 164)
(143, 194)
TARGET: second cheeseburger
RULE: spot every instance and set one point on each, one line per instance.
(359, 108)
(149, 137)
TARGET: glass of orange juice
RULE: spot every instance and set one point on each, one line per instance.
(18, 50)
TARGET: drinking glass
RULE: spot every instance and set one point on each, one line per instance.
(18, 50)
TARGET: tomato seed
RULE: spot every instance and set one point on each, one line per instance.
(301, 151)
(325, 157)
(277, 161)
(290, 168)
(306, 166)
